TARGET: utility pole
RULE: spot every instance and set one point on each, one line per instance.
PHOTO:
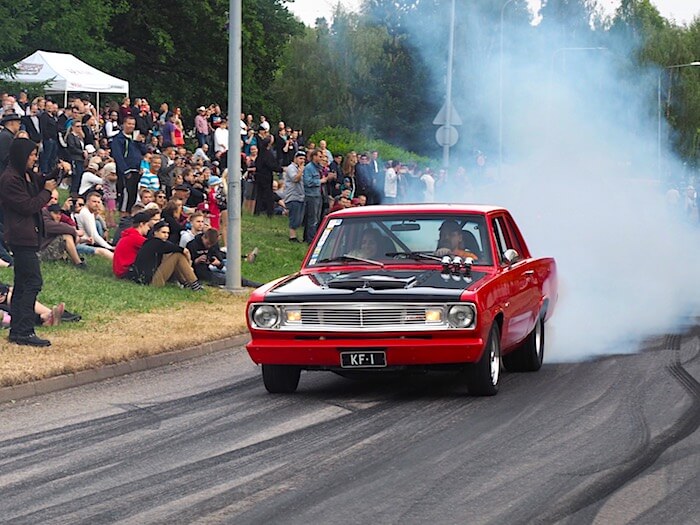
(450, 57)
(233, 240)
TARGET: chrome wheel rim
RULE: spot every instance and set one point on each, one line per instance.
(538, 338)
(494, 361)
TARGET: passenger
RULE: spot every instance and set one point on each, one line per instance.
(451, 241)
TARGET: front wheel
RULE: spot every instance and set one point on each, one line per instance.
(483, 376)
(281, 379)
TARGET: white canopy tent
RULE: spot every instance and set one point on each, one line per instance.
(65, 74)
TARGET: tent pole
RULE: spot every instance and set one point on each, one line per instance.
(65, 98)
(97, 106)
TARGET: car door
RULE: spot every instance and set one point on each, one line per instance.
(519, 278)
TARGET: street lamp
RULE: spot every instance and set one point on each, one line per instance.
(500, 93)
(658, 111)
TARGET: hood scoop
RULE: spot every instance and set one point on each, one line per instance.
(375, 282)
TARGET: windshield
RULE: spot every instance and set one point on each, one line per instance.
(391, 239)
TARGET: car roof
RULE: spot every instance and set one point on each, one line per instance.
(412, 209)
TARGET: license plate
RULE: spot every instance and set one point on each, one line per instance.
(362, 359)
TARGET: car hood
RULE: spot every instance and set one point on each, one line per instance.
(372, 285)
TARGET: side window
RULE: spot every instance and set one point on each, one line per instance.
(514, 238)
(503, 240)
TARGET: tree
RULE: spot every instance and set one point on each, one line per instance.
(14, 25)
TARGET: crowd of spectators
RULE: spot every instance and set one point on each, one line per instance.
(156, 208)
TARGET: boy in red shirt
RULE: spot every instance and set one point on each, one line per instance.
(129, 245)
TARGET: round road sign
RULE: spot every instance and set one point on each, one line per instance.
(446, 136)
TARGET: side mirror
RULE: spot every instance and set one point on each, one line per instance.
(511, 255)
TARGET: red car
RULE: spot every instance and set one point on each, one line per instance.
(407, 287)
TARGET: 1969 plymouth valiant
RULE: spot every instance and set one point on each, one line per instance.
(407, 287)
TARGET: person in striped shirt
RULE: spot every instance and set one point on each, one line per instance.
(149, 178)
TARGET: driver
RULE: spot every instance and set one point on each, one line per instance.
(371, 244)
(451, 241)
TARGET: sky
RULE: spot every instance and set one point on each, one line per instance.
(682, 11)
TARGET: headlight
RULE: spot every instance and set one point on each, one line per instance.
(461, 315)
(265, 316)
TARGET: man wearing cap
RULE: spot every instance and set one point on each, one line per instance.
(90, 179)
(60, 238)
(294, 193)
(201, 126)
(11, 123)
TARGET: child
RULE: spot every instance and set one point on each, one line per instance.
(211, 200)
(145, 166)
(109, 193)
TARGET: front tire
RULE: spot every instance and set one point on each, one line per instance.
(484, 375)
(281, 379)
(529, 355)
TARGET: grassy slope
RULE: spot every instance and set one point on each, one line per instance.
(97, 295)
(122, 320)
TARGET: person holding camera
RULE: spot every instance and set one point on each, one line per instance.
(23, 194)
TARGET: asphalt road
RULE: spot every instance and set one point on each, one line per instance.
(615, 440)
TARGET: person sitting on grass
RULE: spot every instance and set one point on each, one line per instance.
(209, 260)
(173, 214)
(91, 180)
(207, 257)
(159, 259)
(126, 222)
(86, 219)
(43, 315)
(60, 239)
(196, 224)
(131, 241)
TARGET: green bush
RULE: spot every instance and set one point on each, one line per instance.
(342, 140)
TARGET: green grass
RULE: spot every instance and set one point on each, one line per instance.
(98, 296)
(277, 256)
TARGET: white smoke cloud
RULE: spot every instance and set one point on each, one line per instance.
(580, 177)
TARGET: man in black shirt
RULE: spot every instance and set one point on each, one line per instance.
(48, 123)
(205, 251)
(31, 123)
(11, 123)
(159, 259)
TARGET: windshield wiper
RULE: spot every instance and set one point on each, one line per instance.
(351, 258)
(416, 256)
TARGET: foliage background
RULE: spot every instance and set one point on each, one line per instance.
(366, 72)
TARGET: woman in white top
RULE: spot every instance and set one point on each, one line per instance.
(112, 126)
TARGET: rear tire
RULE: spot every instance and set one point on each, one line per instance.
(281, 379)
(484, 375)
(529, 355)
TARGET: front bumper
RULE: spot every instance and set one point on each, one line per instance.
(318, 350)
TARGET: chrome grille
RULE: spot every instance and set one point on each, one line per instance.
(372, 317)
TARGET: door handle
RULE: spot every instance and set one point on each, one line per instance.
(529, 272)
